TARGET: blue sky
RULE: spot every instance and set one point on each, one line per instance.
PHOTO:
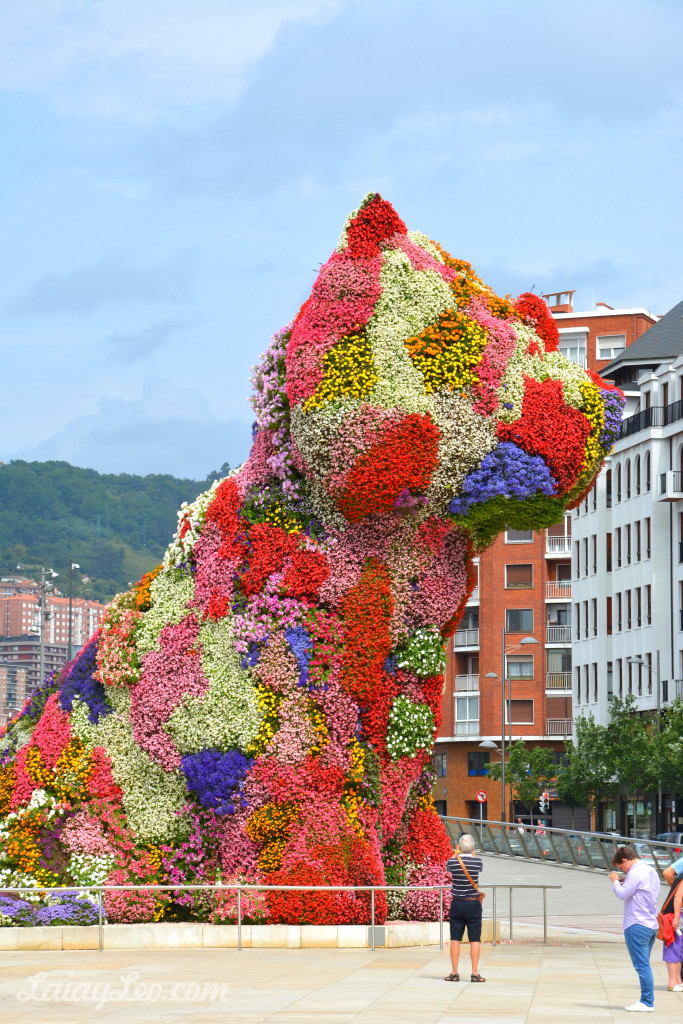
(175, 172)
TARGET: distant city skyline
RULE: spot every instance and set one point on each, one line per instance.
(178, 172)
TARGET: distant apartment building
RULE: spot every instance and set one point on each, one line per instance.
(10, 585)
(628, 556)
(19, 614)
(13, 690)
(518, 625)
(24, 652)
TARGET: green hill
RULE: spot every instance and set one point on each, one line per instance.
(115, 526)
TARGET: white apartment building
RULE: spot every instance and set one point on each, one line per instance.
(627, 560)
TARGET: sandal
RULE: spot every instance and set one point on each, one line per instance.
(452, 977)
(476, 977)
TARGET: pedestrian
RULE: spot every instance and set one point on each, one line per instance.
(672, 937)
(520, 827)
(464, 868)
(639, 890)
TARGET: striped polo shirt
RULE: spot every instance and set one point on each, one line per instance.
(461, 888)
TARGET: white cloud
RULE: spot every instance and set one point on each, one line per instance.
(130, 58)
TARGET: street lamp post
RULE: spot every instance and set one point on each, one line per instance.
(489, 744)
(44, 588)
(637, 660)
(69, 649)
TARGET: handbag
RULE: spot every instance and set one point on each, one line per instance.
(481, 896)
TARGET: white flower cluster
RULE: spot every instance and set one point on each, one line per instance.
(411, 728)
(90, 869)
(193, 512)
(170, 594)
(423, 653)
(228, 714)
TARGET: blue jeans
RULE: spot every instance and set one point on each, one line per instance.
(639, 943)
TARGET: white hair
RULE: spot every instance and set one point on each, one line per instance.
(466, 843)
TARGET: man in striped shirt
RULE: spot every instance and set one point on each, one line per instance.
(465, 905)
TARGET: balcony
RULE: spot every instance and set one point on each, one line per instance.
(467, 728)
(670, 486)
(558, 727)
(558, 634)
(466, 638)
(467, 683)
(558, 681)
(474, 596)
(558, 545)
(558, 590)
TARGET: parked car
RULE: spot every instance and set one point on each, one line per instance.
(663, 854)
(671, 837)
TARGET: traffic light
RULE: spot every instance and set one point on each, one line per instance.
(544, 803)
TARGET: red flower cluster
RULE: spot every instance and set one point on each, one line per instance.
(426, 839)
(375, 223)
(404, 459)
(269, 546)
(306, 575)
(551, 429)
(366, 613)
(534, 312)
(223, 512)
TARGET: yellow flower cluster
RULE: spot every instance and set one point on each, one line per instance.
(594, 410)
(21, 846)
(7, 776)
(155, 856)
(142, 592)
(348, 370)
(45, 878)
(72, 771)
(426, 803)
(268, 703)
(319, 727)
(469, 286)
(270, 825)
(36, 768)
(278, 514)
(351, 799)
(446, 352)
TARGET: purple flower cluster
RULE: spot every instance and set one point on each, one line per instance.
(299, 639)
(215, 777)
(66, 908)
(80, 683)
(506, 472)
(614, 407)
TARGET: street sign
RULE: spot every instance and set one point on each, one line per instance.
(481, 796)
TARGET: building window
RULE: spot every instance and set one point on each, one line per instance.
(619, 482)
(628, 478)
(636, 467)
(441, 807)
(648, 605)
(636, 527)
(608, 612)
(519, 577)
(519, 536)
(577, 619)
(586, 625)
(610, 679)
(439, 762)
(594, 552)
(585, 556)
(648, 537)
(648, 464)
(608, 552)
(628, 544)
(628, 609)
(585, 682)
(594, 615)
(577, 672)
(620, 676)
(519, 620)
(617, 535)
(466, 716)
(608, 488)
(478, 762)
(573, 346)
(639, 606)
(594, 667)
(521, 712)
(610, 345)
(520, 666)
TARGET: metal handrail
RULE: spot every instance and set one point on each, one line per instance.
(570, 847)
(240, 888)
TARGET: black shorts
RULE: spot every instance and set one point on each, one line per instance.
(465, 913)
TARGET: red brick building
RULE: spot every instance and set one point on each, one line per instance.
(522, 605)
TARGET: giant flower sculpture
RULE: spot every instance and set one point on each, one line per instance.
(263, 706)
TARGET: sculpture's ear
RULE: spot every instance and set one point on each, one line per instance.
(343, 296)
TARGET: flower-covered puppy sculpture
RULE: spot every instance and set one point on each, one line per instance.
(264, 705)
